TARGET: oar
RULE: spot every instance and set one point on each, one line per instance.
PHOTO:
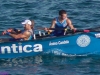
(96, 29)
(42, 28)
(87, 30)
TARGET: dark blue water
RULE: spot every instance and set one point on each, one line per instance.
(83, 13)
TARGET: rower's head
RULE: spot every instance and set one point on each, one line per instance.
(27, 24)
(62, 14)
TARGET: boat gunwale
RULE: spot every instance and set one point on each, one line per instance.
(45, 38)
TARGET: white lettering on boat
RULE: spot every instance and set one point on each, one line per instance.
(20, 49)
(58, 43)
(97, 35)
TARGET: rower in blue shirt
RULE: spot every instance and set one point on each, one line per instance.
(60, 22)
(26, 34)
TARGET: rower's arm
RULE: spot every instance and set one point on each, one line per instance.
(20, 36)
(70, 24)
(52, 25)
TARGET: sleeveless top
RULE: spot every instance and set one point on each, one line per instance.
(32, 34)
(59, 25)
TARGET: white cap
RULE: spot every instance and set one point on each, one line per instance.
(27, 22)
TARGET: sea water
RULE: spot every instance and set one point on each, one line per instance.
(83, 14)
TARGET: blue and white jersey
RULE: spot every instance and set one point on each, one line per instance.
(59, 25)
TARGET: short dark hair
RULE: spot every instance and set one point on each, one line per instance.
(62, 12)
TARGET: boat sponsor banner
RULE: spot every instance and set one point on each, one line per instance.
(83, 41)
(14, 48)
(58, 43)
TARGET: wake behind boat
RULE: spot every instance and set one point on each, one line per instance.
(79, 43)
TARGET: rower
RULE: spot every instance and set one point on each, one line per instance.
(26, 34)
(60, 22)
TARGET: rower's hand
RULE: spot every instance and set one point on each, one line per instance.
(9, 30)
(46, 29)
(74, 30)
(6, 32)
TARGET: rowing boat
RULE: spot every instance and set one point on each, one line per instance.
(79, 43)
